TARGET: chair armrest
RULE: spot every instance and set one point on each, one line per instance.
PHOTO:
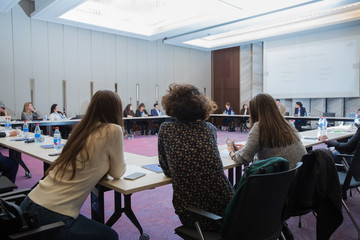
(16, 192)
(17, 199)
(204, 213)
(345, 155)
(31, 232)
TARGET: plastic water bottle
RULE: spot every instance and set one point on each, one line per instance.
(57, 139)
(37, 134)
(9, 124)
(356, 120)
(25, 129)
(292, 122)
(324, 126)
(6, 123)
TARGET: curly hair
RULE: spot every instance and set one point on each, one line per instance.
(185, 103)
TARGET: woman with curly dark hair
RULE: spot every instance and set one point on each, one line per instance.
(188, 153)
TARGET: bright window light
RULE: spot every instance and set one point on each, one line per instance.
(151, 17)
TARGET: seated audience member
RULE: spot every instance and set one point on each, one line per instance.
(281, 107)
(270, 135)
(156, 112)
(299, 111)
(3, 111)
(244, 110)
(129, 113)
(342, 147)
(93, 151)
(188, 153)
(144, 125)
(8, 167)
(56, 115)
(228, 111)
(243, 120)
(29, 113)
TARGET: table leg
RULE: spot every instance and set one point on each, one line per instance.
(97, 204)
(130, 214)
(231, 176)
(16, 156)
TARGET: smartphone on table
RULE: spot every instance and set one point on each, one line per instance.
(134, 176)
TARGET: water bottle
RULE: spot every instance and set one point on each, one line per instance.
(292, 122)
(6, 123)
(324, 126)
(25, 129)
(37, 134)
(57, 139)
(9, 124)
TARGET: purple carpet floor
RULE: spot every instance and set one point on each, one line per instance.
(154, 209)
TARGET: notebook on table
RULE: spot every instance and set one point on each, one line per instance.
(50, 146)
(153, 167)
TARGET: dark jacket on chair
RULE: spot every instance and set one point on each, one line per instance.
(326, 200)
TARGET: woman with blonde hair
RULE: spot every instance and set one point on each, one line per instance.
(29, 113)
(188, 153)
(94, 149)
(270, 135)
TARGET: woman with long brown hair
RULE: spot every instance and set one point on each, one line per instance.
(270, 135)
(94, 149)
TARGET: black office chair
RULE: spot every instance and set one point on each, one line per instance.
(350, 179)
(260, 209)
(15, 224)
(330, 123)
(316, 189)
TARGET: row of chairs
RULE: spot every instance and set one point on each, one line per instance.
(268, 200)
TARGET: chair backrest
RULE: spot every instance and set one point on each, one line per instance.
(260, 209)
(328, 114)
(355, 164)
(302, 190)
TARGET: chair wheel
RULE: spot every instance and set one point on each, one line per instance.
(144, 236)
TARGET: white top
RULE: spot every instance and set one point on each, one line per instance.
(293, 153)
(56, 116)
(66, 196)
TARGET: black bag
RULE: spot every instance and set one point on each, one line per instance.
(13, 220)
(231, 129)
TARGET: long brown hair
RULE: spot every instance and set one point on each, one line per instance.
(105, 107)
(25, 109)
(274, 130)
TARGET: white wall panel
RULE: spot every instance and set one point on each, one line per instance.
(51, 53)
(98, 58)
(70, 71)
(22, 58)
(110, 62)
(84, 69)
(7, 89)
(122, 70)
(56, 63)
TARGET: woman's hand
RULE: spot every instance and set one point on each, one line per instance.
(323, 138)
(231, 147)
(240, 146)
(12, 133)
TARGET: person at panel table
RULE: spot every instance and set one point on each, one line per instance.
(300, 111)
(270, 135)
(3, 110)
(188, 153)
(94, 151)
(156, 112)
(56, 115)
(144, 125)
(8, 167)
(129, 113)
(228, 111)
(29, 113)
(281, 107)
(243, 121)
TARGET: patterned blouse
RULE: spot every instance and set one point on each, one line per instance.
(189, 154)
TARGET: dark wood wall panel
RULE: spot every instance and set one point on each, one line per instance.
(226, 78)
